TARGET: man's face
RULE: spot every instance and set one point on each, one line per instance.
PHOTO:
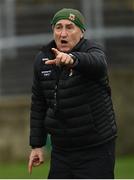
(66, 35)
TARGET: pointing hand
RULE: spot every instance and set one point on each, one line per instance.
(61, 58)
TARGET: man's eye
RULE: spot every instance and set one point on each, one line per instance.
(70, 28)
(57, 27)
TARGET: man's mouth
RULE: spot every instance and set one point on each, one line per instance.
(64, 41)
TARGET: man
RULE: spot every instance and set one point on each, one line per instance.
(71, 101)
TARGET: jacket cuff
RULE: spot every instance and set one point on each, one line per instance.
(75, 59)
(34, 147)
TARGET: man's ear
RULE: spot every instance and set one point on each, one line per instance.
(52, 27)
(82, 35)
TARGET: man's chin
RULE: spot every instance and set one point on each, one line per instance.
(64, 49)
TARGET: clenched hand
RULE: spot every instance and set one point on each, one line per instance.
(36, 158)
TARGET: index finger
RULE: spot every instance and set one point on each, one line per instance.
(50, 62)
(30, 165)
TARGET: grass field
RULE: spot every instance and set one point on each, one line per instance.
(124, 170)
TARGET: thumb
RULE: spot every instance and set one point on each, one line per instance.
(56, 52)
(41, 158)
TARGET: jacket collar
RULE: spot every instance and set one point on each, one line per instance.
(52, 44)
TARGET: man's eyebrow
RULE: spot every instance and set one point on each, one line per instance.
(65, 24)
(58, 24)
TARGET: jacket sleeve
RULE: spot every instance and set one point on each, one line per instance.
(92, 62)
(38, 133)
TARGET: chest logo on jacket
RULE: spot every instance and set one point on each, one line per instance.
(46, 73)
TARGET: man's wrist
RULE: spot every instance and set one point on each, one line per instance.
(73, 57)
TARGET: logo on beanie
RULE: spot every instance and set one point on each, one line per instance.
(71, 17)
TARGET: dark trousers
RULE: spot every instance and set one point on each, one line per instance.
(92, 163)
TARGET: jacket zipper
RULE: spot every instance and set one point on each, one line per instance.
(56, 89)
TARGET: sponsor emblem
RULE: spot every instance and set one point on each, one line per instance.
(45, 59)
(71, 17)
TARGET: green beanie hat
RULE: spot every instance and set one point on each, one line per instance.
(71, 14)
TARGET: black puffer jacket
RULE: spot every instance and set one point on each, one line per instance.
(73, 105)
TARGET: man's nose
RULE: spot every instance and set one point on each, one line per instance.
(64, 32)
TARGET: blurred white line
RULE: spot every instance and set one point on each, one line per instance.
(110, 32)
(22, 41)
(40, 39)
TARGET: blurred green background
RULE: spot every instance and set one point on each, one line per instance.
(18, 170)
(24, 28)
